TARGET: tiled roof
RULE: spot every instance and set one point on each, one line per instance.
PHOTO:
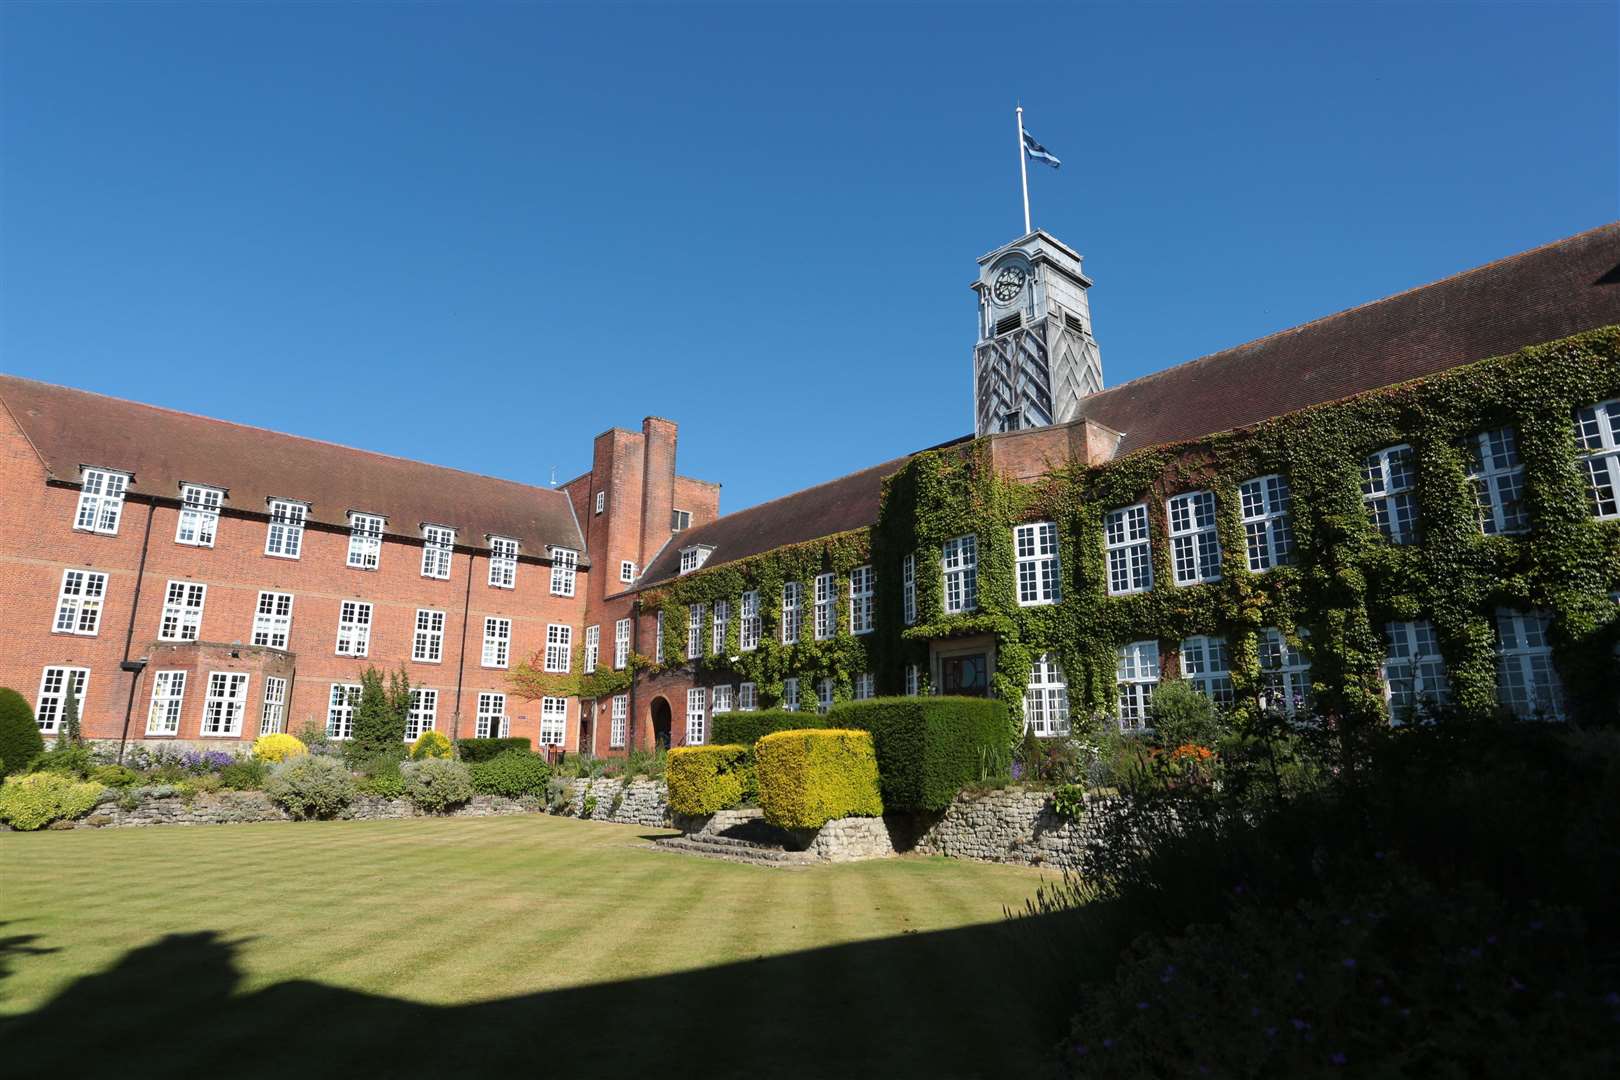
(70, 428)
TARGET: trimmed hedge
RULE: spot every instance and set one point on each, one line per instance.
(471, 750)
(747, 728)
(704, 779)
(809, 777)
(512, 773)
(20, 741)
(929, 747)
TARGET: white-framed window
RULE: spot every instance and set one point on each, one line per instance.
(284, 538)
(1387, 481)
(792, 613)
(553, 721)
(78, 605)
(865, 686)
(272, 619)
(696, 701)
(1195, 550)
(694, 557)
(721, 625)
(1497, 476)
(423, 714)
(1597, 431)
(747, 697)
(860, 600)
(1527, 683)
(559, 647)
(273, 712)
(1130, 558)
(593, 647)
(1136, 676)
(354, 628)
(1265, 503)
(564, 565)
(340, 710)
(503, 558)
(627, 571)
(199, 515)
(824, 695)
(182, 611)
(1285, 674)
(680, 520)
(601, 501)
(1036, 550)
(53, 684)
(365, 541)
(790, 695)
(168, 697)
(491, 721)
(1206, 663)
(959, 560)
(427, 646)
(101, 501)
(723, 698)
(908, 589)
(748, 630)
(694, 631)
(913, 680)
(1414, 670)
(497, 641)
(1046, 698)
(438, 548)
(826, 624)
(621, 645)
(225, 704)
(621, 715)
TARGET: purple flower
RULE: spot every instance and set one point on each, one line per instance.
(1141, 1004)
(1338, 1057)
(1300, 1025)
(1080, 1050)
(1611, 998)
(1384, 1000)
(1271, 1032)
(1349, 961)
(1108, 1044)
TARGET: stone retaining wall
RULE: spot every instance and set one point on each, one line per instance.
(641, 802)
(1014, 825)
(239, 807)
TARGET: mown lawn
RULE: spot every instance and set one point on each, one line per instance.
(436, 947)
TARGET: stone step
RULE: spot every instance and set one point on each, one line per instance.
(734, 851)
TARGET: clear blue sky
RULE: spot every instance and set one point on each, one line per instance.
(481, 234)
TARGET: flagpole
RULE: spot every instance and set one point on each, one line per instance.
(1023, 168)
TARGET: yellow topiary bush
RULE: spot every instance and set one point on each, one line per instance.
(274, 748)
(34, 801)
(430, 744)
(808, 778)
(703, 779)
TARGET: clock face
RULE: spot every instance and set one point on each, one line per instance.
(1009, 283)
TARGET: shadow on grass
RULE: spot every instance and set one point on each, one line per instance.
(982, 1001)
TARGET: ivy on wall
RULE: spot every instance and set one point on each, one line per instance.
(1346, 580)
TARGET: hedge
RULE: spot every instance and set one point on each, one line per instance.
(20, 741)
(747, 728)
(928, 747)
(471, 750)
(36, 800)
(809, 777)
(703, 779)
(512, 773)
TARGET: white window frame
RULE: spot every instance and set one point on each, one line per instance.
(908, 589)
(861, 607)
(1195, 549)
(423, 715)
(427, 642)
(168, 703)
(1136, 676)
(601, 501)
(354, 628)
(747, 697)
(620, 717)
(490, 721)
(826, 613)
(748, 629)
(792, 612)
(680, 520)
(722, 699)
(1035, 553)
(198, 524)
(365, 541)
(1414, 670)
(1206, 663)
(1130, 550)
(272, 619)
(697, 699)
(559, 648)
(1597, 436)
(79, 603)
(564, 567)
(593, 647)
(693, 558)
(224, 705)
(273, 708)
(1524, 650)
(340, 703)
(183, 603)
(438, 551)
(284, 533)
(101, 500)
(824, 695)
(790, 695)
(1046, 698)
(913, 680)
(865, 686)
(1389, 488)
(48, 703)
(959, 563)
(1496, 473)
(1285, 672)
(621, 644)
(553, 721)
(497, 642)
(627, 571)
(503, 560)
(1268, 531)
(720, 624)
(694, 631)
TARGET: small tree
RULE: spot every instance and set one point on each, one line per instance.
(379, 728)
(20, 741)
(1181, 715)
(67, 732)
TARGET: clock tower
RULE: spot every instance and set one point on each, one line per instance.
(1036, 357)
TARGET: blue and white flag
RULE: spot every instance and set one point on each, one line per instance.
(1038, 152)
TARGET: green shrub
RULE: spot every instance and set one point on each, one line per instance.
(434, 785)
(311, 787)
(512, 773)
(69, 760)
(1182, 716)
(114, 776)
(648, 763)
(1069, 802)
(431, 744)
(808, 778)
(471, 750)
(20, 740)
(929, 747)
(248, 774)
(747, 728)
(34, 801)
(704, 779)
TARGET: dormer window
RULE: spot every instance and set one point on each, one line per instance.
(101, 501)
(285, 537)
(365, 540)
(438, 544)
(564, 562)
(694, 557)
(199, 515)
(503, 553)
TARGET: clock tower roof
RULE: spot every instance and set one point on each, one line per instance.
(1040, 248)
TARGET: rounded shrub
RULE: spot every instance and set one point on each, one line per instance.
(512, 773)
(20, 741)
(276, 748)
(434, 785)
(115, 776)
(311, 787)
(431, 744)
(248, 774)
(34, 801)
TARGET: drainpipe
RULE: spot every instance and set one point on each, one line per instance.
(134, 667)
(461, 658)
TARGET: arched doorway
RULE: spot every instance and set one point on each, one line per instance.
(661, 720)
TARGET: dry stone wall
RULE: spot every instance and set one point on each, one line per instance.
(1016, 825)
